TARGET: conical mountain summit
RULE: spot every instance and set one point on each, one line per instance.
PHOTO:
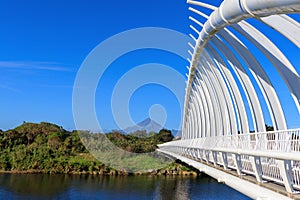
(148, 125)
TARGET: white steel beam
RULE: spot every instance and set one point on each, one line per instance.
(246, 84)
(234, 11)
(215, 95)
(261, 78)
(285, 25)
(210, 120)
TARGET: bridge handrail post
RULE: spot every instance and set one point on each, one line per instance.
(215, 157)
(285, 168)
(257, 167)
(237, 159)
(224, 159)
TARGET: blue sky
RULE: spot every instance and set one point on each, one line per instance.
(43, 44)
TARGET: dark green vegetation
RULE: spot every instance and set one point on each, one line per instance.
(269, 128)
(48, 148)
(140, 142)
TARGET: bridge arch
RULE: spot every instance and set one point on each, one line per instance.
(230, 92)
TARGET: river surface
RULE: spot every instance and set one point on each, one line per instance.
(41, 186)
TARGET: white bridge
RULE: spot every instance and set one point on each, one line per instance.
(243, 74)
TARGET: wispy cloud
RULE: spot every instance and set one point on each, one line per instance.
(6, 87)
(30, 65)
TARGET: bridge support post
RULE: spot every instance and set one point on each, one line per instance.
(191, 152)
(285, 167)
(256, 166)
(188, 152)
(206, 155)
(181, 150)
(198, 154)
(224, 160)
(184, 151)
(238, 163)
(215, 157)
(195, 154)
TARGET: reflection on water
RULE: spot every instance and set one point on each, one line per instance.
(41, 186)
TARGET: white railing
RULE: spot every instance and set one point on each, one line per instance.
(231, 163)
(296, 174)
(287, 141)
(270, 170)
(246, 165)
(270, 148)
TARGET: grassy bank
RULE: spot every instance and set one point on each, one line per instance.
(48, 148)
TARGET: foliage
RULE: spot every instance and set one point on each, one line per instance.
(142, 144)
(44, 147)
(269, 128)
(48, 148)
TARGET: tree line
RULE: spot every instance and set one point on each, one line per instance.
(48, 148)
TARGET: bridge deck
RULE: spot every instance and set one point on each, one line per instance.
(246, 184)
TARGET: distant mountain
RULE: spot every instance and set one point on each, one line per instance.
(148, 125)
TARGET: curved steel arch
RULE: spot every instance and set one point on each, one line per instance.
(224, 82)
(206, 61)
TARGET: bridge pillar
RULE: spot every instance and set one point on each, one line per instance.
(256, 166)
(238, 163)
(285, 167)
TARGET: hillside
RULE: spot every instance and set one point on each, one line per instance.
(48, 148)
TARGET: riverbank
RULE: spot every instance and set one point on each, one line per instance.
(174, 170)
(49, 149)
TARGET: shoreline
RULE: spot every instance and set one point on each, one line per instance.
(114, 173)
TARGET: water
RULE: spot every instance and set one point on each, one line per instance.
(41, 186)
